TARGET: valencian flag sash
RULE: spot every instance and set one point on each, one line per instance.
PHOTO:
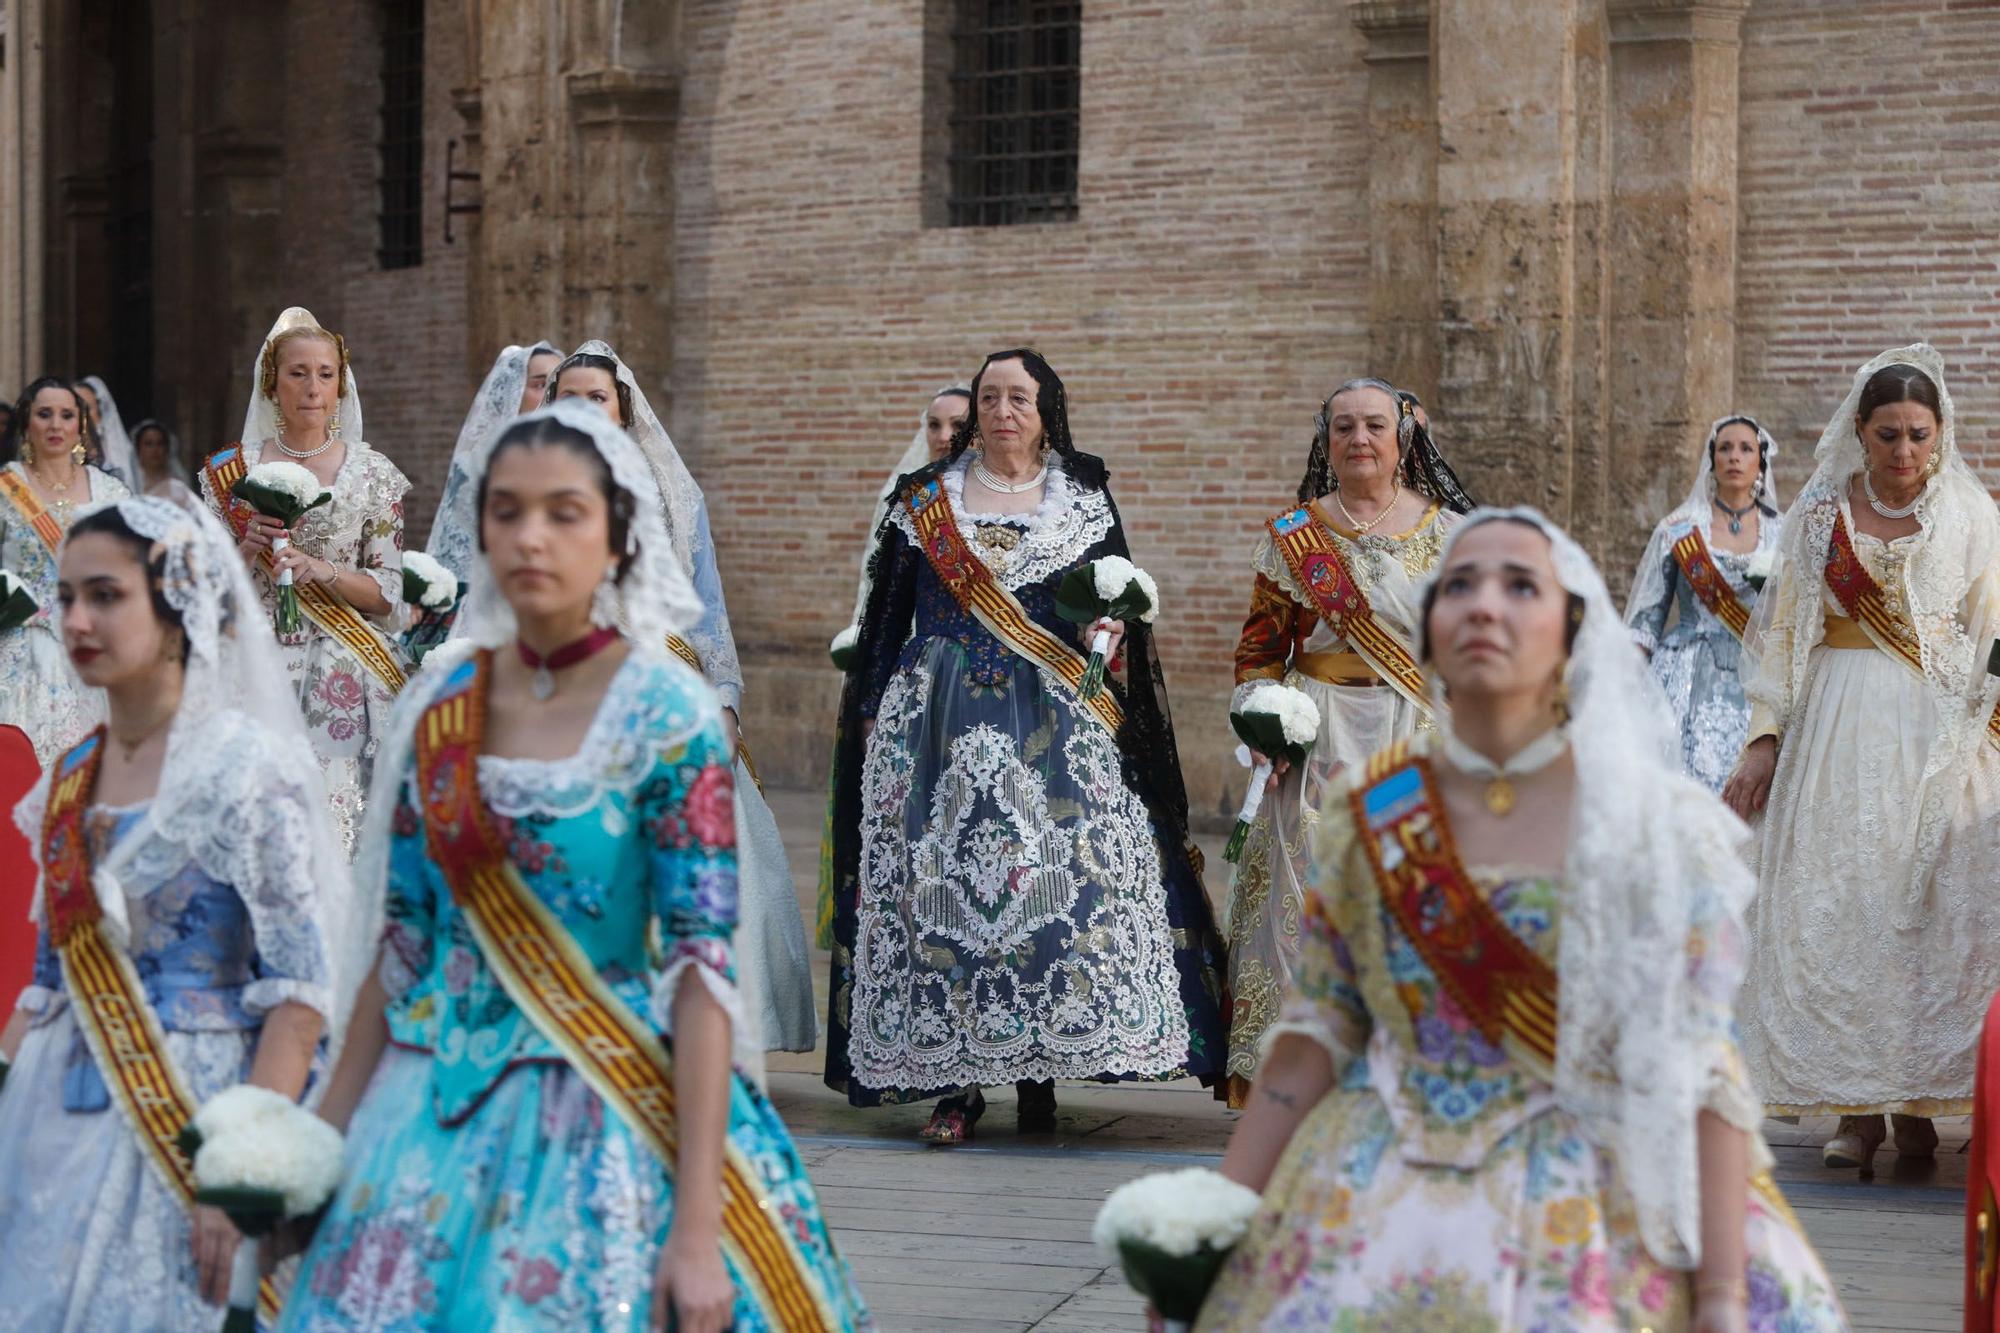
(553, 983)
(1861, 601)
(1501, 984)
(684, 650)
(319, 602)
(107, 997)
(39, 518)
(966, 577)
(1698, 567)
(1309, 551)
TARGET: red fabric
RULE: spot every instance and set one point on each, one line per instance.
(18, 772)
(1982, 1180)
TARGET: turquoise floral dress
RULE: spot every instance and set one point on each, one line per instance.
(1439, 1185)
(488, 1186)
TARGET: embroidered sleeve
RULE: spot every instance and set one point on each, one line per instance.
(44, 989)
(892, 604)
(1272, 635)
(1325, 1004)
(277, 888)
(687, 808)
(1716, 959)
(1649, 622)
(409, 907)
(712, 639)
(381, 555)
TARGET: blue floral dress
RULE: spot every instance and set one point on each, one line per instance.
(1439, 1185)
(488, 1186)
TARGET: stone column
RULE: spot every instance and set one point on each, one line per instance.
(1402, 194)
(22, 200)
(1673, 247)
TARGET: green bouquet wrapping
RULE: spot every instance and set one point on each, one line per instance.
(17, 605)
(842, 648)
(261, 1158)
(1108, 588)
(1171, 1233)
(286, 492)
(1277, 722)
(432, 588)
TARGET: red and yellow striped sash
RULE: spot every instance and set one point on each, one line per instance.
(966, 577)
(319, 602)
(560, 991)
(39, 518)
(1308, 550)
(1502, 985)
(1698, 567)
(108, 999)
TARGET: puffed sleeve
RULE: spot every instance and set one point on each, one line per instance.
(687, 807)
(1271, 636)
(381, 555)
(409, 902)
(43, 995)
(278, 885)
(1324, 1003)
(1716, 959)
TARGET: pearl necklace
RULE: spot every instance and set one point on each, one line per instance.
(1533, 757)
(1868, 485)
(305, 453)
(1362, 529)
(999, 487)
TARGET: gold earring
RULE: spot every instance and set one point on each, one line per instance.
(278, 417)
(333, 423)
(1562, 700)
(27, 451)
(78, 454)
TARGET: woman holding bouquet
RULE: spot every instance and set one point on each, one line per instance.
(1874, 757)
(185, 923)
(1504, 1090)
(1703, 567)
(39, 494)
(1374, 508)
(1015, 895)
(528, 1150)
(344, 559)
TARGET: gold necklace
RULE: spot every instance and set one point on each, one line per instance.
(1362, 529)
(59, 505)
(1533, 757)
(128, 748)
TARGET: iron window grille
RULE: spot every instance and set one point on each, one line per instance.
(402, 143)
(1014, 114)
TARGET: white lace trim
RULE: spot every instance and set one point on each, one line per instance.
(745, 1052)
(1053, 536)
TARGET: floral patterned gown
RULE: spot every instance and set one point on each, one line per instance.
(91, 1238)
(1439, 1186)
(488, 1186)
(345, 706)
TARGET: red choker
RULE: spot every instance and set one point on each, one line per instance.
(591, 644)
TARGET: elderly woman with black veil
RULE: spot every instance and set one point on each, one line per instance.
(1333, 614)
(1015, 895)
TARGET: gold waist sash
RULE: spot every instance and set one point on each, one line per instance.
(1844, 633)
(1337, 668)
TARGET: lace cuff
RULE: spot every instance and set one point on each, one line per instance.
(1643, 636)
(1241, 694)
(261, 997)
(1726, 1091)
(708, 959)
(1763, 722)
(731, 695)
(40, 1001)
(1318, 1033)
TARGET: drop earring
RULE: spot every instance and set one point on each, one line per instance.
(604, 601)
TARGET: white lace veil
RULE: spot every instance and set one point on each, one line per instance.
(1958, 551)
(177, 465)
(119, 456)
(1649, 584)
(260, 419)
(671, 477)
(236, 737)
(497, 403)
(1651, 850)
(914, 457)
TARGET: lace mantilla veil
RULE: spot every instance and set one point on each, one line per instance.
(1651, 851)
(240, 789)
(1960, 546)
(260, 419)
(913, 460)
(1649, 584)
(120, 458)
(497, 403)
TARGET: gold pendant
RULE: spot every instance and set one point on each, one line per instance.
(1500, 796)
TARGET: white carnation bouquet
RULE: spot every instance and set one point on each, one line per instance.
(1278, 722)
(284, 491)
(430, 585)
(17, 605)
(1758, 572)
(260, 1157)
(1108, 588)
(1171, 1233)
(842, 648)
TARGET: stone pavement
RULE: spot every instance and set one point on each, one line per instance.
(996, 1235)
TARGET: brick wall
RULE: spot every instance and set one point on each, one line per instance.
(1212, 290)
(1869, 134)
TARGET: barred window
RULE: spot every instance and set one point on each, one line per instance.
(402, 144)
(1014, 111)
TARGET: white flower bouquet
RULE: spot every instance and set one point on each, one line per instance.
(1758, 572)
(261, 1158)
(1277, 722)
(17, 605)
(1171, 1233)
(284, 491)
(429, 585)
(842, 648)
(1108, 588)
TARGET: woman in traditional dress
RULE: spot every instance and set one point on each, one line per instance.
(943, 417)
(1016, 897)
(1703, 568)
(516, 384)
(1375, 505)
(1504, 1090)
(188, 864)
(346, 557)
(114, 445)
(1875, 938)
(40, 493)
(771, 937)
(527, 1157)
(162, 465)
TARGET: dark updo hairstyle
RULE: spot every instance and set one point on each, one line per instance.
(1573, 614)
(550, 433)
(109, 522)
(1051, 404)
(594, 361)
(1763, 456)
(1898, 383)
(27, 401)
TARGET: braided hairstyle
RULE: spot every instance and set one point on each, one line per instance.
(1422, 464)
